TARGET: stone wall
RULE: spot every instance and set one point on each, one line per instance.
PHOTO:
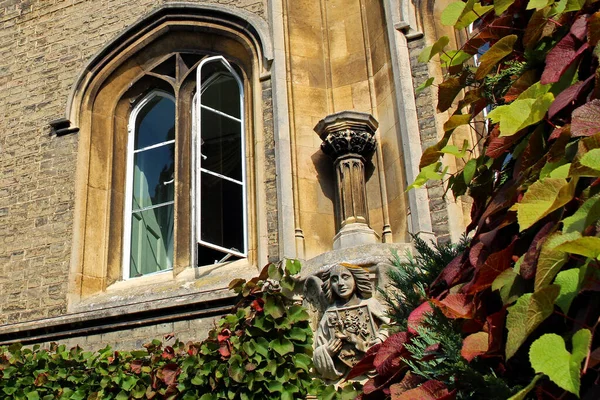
(44, 45)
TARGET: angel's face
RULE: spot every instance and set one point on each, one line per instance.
(342, 283)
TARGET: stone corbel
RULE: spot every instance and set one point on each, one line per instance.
(62, 126)
(408, 31)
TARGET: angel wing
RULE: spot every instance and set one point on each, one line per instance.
(314, 299)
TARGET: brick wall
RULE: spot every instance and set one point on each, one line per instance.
(44, 44)
(429, 136)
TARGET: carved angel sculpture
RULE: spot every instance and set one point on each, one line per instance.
(351, 319)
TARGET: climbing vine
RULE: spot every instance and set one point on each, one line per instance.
(518, 309)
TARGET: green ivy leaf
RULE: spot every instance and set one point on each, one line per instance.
(588, 246)
(591, 159)
(275, 386)
(430, 51)
(296, 334)
(587, 214)
(128, 382)
(274, 307)
(452, 13)
(275, 272)
(429, 172)
(297, 313)
(502, 5)
(561, 171)
(529, 108)
(302, 361)
(34, 395)
(455, 151)
(548, 355)
(542, 198)
(537, 4)
(574, 5)
(282, 346)
(456, 120)
(529, 311)
(569, 288)
(469, 170)
(424, 85)
(471, 15)
(262, 346)
(522, 394)
(550, 261)
(510, 286)
(453, 58)
(497, 52)
(292, 267)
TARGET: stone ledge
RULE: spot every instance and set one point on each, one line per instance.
(367, 256)
(170, 309)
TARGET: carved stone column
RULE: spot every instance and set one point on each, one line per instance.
(349, 139)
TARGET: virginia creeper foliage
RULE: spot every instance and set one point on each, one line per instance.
(522, 300)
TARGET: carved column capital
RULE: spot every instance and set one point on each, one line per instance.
(348, 132)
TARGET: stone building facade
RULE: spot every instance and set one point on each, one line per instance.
(75, 75)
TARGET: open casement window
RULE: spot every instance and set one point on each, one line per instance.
(220, 173)
(155, 189)
(149, 208)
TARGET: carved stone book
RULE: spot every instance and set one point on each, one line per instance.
(355, 326)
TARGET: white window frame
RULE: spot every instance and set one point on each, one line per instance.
(129, 178)
(198, 169)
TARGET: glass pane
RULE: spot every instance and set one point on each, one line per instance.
(153, 176)
(155, 123)
(151, 240)
(222, 93)
(221, 145)
(222, 212)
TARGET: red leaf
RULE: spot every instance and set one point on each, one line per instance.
(456, 305)
(417, 315)
(449, 274)
(41, 379)
(569, 96)
(561, 57)
(493, 266)
(258, 304)
(224, 335)
(529, 263)
(579, 27)
(556, 133)
(500, 145)
(136, 366)
(586, 119)
(447, 92)
(387, 359)
(410, 381)
(168, 353)
(477, 254)
(430, 390)
(168, 374)
(366, 364)
(191, 349)
(594, 29)
(224, 350)
(494, 325)
(475, 345)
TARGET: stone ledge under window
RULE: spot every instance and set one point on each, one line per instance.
(195, 293)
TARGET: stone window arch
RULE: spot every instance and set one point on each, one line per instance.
(153, 62)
